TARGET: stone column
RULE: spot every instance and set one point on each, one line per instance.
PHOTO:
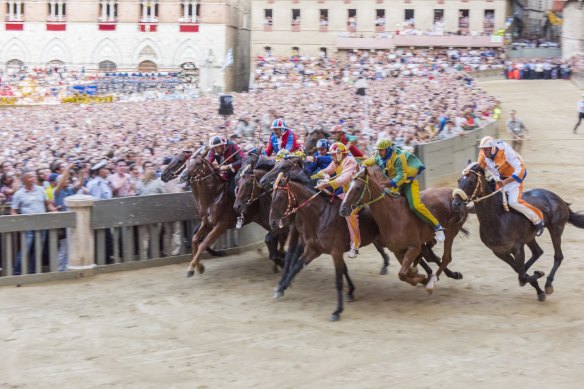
(52, 9)
(81, 238)
(112, 11)
(59, 9)
(103, 10)
(10, 12)
(144, 11)
(186, 4)
(19, 10)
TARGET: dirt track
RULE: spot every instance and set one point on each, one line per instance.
(155, 329)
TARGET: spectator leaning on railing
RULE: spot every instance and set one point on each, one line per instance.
(30, 199)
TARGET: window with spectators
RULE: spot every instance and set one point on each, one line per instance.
(148, 11)
(57, 10)
(267, 17)
(14, 11)
(108, 11)
(189, 11)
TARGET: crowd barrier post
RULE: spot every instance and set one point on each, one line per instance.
(80, 238)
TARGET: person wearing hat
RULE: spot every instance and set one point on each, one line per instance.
(580, 113)
(100, 187)
(282, 138)
(402, 168)
(228, 156)
(339, 135)
(343, 165)
(321, 159)
(509, 171)
(50, 189)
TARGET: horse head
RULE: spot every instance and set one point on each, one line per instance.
(247, 188)
(198, 168)
(284, 166)
(176, 166)
(471, 185)
(355, 195)
(282, 199)
(312, 137)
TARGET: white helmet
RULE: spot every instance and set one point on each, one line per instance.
(487, 142)
(217, 141)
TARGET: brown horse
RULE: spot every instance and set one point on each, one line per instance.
(507, 233)
(251, 201)
(321, 229)
(401, 231)
(214, 204)
(311, 137)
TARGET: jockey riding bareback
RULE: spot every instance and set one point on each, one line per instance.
(343, 166)
(508, 169)
(402, 168)
(282, 138)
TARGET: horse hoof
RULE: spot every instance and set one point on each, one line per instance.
(538, 274)
(335, 317)
(549, 289)
(200, 268)
(522, 283)
(457, 276)
(350, 298)
(431, 284)
(383, 271)
(278, 295)
(190, 273)
(275, 269)
(541, 297)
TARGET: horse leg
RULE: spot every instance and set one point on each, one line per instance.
(520, 270)
(297, 260)
(209, 239)
(429, 254)
(536, 252)
(409, 256)
(350, 293)
(200, 231)
(446, 258)
(272, 245)
(381, 250)
(340, 269)
(556, 234)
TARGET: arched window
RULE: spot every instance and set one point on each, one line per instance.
(295, 51)
(107, 66)
(56, 63)
(147, 66)
(323, 51)
(14, 65)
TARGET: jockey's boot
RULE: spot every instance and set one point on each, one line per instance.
(439, 233)
(539, 228)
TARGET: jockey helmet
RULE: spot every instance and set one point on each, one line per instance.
(322, 143)
(338, 148)
(279, 123)
(217, 141)
(487, 142)
(383, 144)
(282, 154)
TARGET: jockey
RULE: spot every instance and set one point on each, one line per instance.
(344, 166)
(507, 166)
(282, 138)
(340, 136)
(229, 156)
(321, 159)
(402, 168)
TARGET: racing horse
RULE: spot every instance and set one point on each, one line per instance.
(214, 204)
(294, 164)
(311, 137)
(321, 229)
(507, 232)
(400, 229)
(253, 201)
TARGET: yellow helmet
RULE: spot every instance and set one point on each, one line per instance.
(338, 147)
(383, 144)
(282, 154)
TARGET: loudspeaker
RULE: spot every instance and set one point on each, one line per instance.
(226, 105)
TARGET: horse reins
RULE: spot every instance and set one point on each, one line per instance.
(359, 206)
(478, 186)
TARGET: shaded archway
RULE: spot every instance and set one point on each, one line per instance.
(107, 66)
(14, 65)
(147, 66)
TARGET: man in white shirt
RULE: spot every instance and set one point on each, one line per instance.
(580, 113)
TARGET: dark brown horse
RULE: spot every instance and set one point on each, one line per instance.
(400, 230)
(507, 233)
(295, 165)
(310, 139)
(214, 204)
(253, 201)
(322, 231)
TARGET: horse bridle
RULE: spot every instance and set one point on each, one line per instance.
(248, 171)
(290, 208)
(201, 177)
(477, 189)
(182, 167)
(355, 208)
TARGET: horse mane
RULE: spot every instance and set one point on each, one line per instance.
(265, 164)
(301, 178)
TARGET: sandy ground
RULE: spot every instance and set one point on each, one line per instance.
(155, 329)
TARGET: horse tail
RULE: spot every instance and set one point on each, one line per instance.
(576, 219)
(465, 232)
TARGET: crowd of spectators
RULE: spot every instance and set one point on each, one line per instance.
(538, 69)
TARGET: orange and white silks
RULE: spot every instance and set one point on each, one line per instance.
(344, 173)
(507, 163)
